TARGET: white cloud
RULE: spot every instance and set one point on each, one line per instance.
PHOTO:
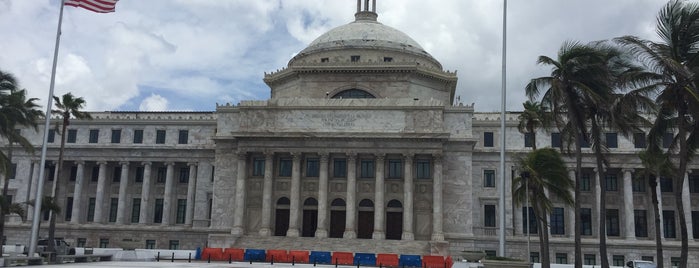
(153, 103)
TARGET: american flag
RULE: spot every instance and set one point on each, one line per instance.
(99, 6)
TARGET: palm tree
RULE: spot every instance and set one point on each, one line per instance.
(68, 106)
(656, 164)
(542, 171)
(574, 75)
(533, 117)
(674, 60)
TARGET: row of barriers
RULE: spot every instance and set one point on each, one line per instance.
(325, 257)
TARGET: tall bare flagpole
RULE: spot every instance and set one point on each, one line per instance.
(40, 184)
(501, 250)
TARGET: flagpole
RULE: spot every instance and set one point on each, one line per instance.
(40, 184)
(502, 131)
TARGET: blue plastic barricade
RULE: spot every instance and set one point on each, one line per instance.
(365, 259)
(321, 257)
(410, 261)
(255, 255)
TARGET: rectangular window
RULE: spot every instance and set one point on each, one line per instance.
(138, 136)
(488, 178)
(91, 210)
(116, 135)
(584, 143)
(13, 171)
(324, 59)
(139, 174)
(589, 259)
(488, 139)
(534, 257)
(51, 172)
(586, 219)
(312, 167)
(675, 261)
(669, 223)
(69, 208)
(489, 217)
(639, 184)
(561, 258)
(558, 225)
(52, 136)
(183, 136)
(612, 222)
(611, 182)
(387, 59)
(666, 185)
(174, 244)
(94, 135)
(181, 210)
(693, 183)
(618, 260)
(340, 168)
(285, 167)
(158, 211)
(160, 176)
(640, 223)
(423, 169)
(366, 168)
(82, 242)
(639, 140)
(150, 244)
(160, 136)
(647, 258)
(528, 140)
(184, 175)
(354, 58)
(695, 224)
(258, 166)
(135, 210)
(72, 136)
(667, 139)
(612, 141)
(585, 182)
(104, 242)
(94, 176)
(73, 172)
(491, 253)
(395, 168)
(556, 140)
(116, 175)
(532, 226)
(113, 207)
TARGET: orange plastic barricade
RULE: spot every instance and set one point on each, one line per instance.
(344, 258)
(234, 254)
(278, 255)
(214, 254)
(432, 261)
(298, 256)
(387, 260)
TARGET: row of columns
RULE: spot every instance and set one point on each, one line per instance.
(121, 217)
(351, 197)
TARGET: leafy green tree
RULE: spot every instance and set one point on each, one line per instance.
(533, 117)
(67, 107)
(545, 175)
(674, 60)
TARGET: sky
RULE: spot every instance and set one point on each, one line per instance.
(189, 55)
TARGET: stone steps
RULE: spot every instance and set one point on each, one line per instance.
(335, 244)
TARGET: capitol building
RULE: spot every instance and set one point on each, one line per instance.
(361, 147)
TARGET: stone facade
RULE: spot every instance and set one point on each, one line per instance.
(360, 147)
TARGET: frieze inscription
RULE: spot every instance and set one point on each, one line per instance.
(332, 120)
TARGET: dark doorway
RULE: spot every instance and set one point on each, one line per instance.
(281, 217)
(338, 218)
(394, 220)
(310, 218)
(365, 227)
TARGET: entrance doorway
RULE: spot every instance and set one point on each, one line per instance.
(281, 217)
(394, 220)
(310, 218)
(338, 214)
(365, 219)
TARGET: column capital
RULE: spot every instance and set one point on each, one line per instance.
(630, 170)
(408, 156)
(146, 163)
(170, 163)
(190, 164)
(351, 155)
(124, 163)
(269, 154)
(324, 157)
(437, 157)
(80, 162)
(380, 156)
(295, 156)
(241, 155)
(101, 162)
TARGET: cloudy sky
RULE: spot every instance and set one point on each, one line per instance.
(191, 54)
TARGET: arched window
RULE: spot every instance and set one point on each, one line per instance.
(353, 94)
(338, 202)
(283, 201)
(366, 203)
(394, 204)
(310, 202)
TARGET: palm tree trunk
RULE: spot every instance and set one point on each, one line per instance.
(684, 155)
(57, 184)
(6, 185)
(543, 236)
(533, 140)
(578, 220)
(602, 210)
(656, 211)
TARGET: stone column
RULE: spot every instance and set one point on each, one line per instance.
(191, 193)
(379, 207)
(295, 196)
(629, 226)
(322, 231)
(408, 198)
(145, 193)
(239, 212)
(78, 192)
(687, 206)
(265, 227)
(350, 219)
(571, 208)
(167, 197)
(437, 233)
(123, 185)
(99, 198)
